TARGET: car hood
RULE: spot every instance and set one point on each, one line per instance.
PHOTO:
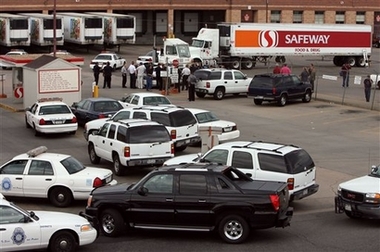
(92, 172)
(184, 159)
(365, 184)
(50, 219)
(112, 190)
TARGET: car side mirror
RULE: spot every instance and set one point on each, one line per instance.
(143, 191)
(249, 175)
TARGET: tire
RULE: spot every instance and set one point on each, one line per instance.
(111, 223)
(60, 197)
(27, 124)
(257, 101)
(63, 241)
(181, 148)
(200, 95)
(307, 96)
(283, 100)
(235, 63)
(248, 63)
(219, 93)
(36, 133)
(233, 229)
(117, 166)
(338, 61)
(360, 62)
(351, 61)
(92, 154)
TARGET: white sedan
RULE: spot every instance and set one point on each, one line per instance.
(206, 118)
(114, 59)
(29, 230)
(60, 178)
(143, 99)
(50, 116)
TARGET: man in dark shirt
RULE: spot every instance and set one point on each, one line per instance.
(107, 73)
(96, 70)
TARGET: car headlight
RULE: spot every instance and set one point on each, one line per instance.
(372, 198)
(86, 227)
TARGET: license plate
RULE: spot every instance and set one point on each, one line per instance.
(151, 161)
(58, 122)
(347, 207)
(259, 97)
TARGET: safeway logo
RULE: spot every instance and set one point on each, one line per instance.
(268, 38)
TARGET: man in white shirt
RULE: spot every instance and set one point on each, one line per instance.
(132, 74)
(185, 74)
(140, 75)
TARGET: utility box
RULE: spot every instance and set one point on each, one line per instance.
(209, 137)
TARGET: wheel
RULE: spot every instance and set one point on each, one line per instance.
(360, 62)
(36, 133)
(248, 63)
(92, 154)
(181, 148)
(63, 241)
(307, 96)
(257, 101)
(338, 61)
(283, 100)
(219, 93)
(60, 197)
(27, 124)
(280, 59)
(233, 229)
(200, 95)
(117, 166)
(235, 63)
(111, 223)
(351, 61)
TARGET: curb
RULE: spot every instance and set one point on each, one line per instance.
(10, 108)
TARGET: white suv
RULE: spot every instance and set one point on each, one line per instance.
(131, 143)
(219, 81)
(264, 161)
(180, 122)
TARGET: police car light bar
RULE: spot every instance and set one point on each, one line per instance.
(37, 151)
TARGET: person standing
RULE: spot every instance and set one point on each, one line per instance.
(107, 73)
(192, 81)
(185, 75)
(345, 74)
(140, 75)
(124, 73)
(277, 69)
(132, 74)
(158, 77)
(285, 70)
(312, 75)
(96, 70)
(149, 75)
(367, 88)
(304, 76)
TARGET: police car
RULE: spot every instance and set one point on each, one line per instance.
(50, 115)
(27, 230)
(60, 178)
(114, 59)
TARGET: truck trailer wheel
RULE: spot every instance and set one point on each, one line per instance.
(233, 229)
(235, 63)
(248, 63)
(360, 62)
(351, 61)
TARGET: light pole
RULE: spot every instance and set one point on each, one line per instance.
(54, 27)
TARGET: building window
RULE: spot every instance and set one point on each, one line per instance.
(339, 17)
(275, 16)
(319, 17)
(297, 17)
(360, 17)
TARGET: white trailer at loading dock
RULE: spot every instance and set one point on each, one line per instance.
(14, 30)
(42, 30)
(118, 28)
(82, 29)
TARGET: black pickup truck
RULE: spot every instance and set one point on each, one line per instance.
(195, 197)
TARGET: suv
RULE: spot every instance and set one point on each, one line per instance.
(131, 143)
(279, 88)
(192, 197)
(180, 122)
(360, 197)
(264, 161)
(220, 81)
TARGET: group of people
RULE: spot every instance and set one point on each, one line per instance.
(308, 74)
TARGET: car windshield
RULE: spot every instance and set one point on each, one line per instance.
(54, 109)
(72, 165)
(105, 106)
(205, 117)
(375, 171)
(183, 51)
(155, 100)
(103, 57)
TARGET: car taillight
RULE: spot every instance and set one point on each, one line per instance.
(290, 183)
(173, 134)
(97, 182)
(74, 120)
(101, 116)
(89, 201)
(42, 122)
(172, 149)
(208, 84)
(274, 90)
(275, 199)
(127, 152)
